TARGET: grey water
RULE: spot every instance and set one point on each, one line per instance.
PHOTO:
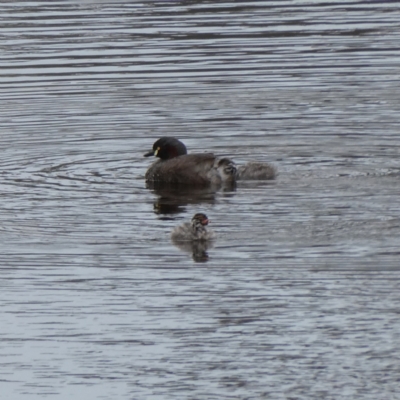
(299, 298)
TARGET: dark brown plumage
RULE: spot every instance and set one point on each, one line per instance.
(177, 167)
(203, 169)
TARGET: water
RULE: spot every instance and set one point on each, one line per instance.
(299, 297)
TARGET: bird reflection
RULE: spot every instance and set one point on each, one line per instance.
(173, 199)
(198, 249)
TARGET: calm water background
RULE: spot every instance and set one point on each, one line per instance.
(299, 298)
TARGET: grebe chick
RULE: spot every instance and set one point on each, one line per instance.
(194, 230)
(255, 171)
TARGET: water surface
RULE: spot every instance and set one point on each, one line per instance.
(299, 297)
